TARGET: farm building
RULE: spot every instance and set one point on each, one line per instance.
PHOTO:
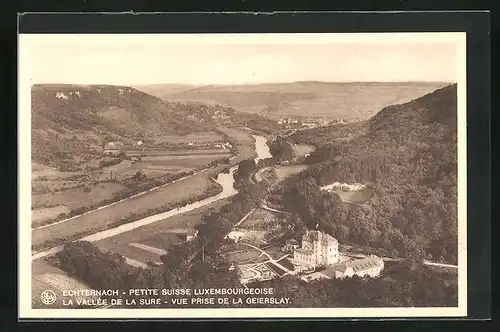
(370, 266)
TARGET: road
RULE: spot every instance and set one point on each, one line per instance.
(124, 199)
(269, 260)
(265, 207)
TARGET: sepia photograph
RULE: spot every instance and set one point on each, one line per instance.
(242, 175)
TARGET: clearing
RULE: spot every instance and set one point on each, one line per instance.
(283, 172)
(242, 256)
(302, 149)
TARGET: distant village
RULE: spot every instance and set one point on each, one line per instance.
(311, 122)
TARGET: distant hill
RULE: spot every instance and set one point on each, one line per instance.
(359, 100)
(70, 123)
(407, 155)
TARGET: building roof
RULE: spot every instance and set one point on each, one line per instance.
(318, 235)
(366, 263)
(357, 265)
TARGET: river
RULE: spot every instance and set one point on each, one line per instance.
(225, 180)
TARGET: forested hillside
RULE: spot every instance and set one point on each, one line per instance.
(407, 157)
(70, 123)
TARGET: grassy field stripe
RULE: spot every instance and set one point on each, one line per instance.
(148, 248)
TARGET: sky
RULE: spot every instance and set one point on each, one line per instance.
(238, 59)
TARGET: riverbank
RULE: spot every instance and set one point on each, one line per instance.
(49, 243)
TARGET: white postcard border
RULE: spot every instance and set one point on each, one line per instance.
(24, 182)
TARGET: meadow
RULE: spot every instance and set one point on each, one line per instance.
(147, 234)
(170, 194)
(284, 172)
(77, 197)
(242, 256)
(205, 137)
(258, 218)
(40, 215)
(302, 149)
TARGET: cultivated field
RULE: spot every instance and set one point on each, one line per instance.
(176, 152)
(274, 251)
(46, 276)
(183, 161)
(148, 234)
(101, 219)
(77, 197)
(49, 173)
(208, 137)
(162, 240)
(40, 215)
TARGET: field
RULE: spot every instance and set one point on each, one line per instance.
(77, 197)
(153, 234)
(238, 134)
(183, 161)
(176, 152)
(101, 219)
(274, 251)
(354, 196)
(315, 99)
(283, 172)
(302, 149)
(40, 215)
(208, 137)
(162, 240)
(49, 173)
(47, 276)
(243, 256)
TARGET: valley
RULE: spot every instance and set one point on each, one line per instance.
(234, 195)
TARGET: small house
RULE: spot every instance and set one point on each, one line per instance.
(186, 234)
(291, 245)
(370, 266)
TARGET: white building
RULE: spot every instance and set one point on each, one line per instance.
(318, 248)
(235, 235)
(370, 266)
(185, 234)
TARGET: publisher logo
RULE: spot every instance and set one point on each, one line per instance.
(48, 297)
